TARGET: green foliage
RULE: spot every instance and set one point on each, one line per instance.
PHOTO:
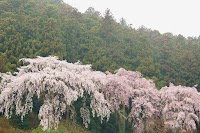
(30, 121)
(69, 127)
(39, 130)
(5, 127)
(50, 27)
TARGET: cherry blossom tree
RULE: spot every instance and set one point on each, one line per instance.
(129, 89)
(177, 106)
(58, 84)
(180, 107)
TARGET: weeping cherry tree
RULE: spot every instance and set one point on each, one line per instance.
(128, 89)
(58, 84)
(180, 107)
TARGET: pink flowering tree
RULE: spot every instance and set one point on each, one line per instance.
(58, 84)
(180, 107)
(128, 89)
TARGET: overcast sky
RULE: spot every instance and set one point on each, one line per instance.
(175, 16)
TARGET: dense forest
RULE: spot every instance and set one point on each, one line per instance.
(30, 28)
(51, 27)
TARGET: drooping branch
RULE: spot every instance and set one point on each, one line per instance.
(126, 86)
(60, 82)
(180, 107)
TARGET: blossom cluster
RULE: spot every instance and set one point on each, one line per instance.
(59, 84)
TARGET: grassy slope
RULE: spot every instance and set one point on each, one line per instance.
(5, 127)
(64, 127)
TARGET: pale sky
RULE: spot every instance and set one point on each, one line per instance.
(175, 16)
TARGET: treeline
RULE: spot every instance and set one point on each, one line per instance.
(30, 28)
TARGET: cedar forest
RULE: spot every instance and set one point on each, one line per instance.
(136, 81)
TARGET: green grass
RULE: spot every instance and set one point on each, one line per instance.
(5, 127)
(64, 127)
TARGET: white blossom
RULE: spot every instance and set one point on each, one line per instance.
(180, 106)
(58, 83)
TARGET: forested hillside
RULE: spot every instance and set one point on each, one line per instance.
(29, 28)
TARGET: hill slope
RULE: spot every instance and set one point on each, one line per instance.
(51, 27)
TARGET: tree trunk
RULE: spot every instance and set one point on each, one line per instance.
(122, 120)
(67, 114)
